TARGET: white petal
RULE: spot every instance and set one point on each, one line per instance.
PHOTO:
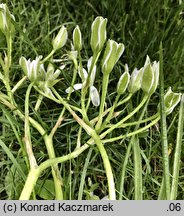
(85, 73)
(89, 63)
(95, 98)
(74, 88)
(93, 73)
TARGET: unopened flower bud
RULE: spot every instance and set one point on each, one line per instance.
(77, 39)
(6, 18)
(150, 76)
(60, 39)
(98, 34)
(171, 99)
(135, 81)
(123, 81)
(112, 53)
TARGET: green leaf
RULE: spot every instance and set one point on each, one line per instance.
(14, 182)
(45, 189)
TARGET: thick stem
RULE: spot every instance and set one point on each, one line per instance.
(100, 146)
(35, 173)
(107, 165)
(30, 183)
(55, 170)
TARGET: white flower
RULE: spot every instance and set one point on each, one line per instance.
(43, 79)
(31, 68)
(94, 95)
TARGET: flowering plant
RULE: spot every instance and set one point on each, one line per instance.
(44, 75)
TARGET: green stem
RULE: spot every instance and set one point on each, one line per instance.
(137, 168)
(124, 100)
(102, 103)
(17, 86)
(107, 165)
(137, 160)
(38, 102)
(177, 154)
(49, 145)
(34, 174)
(30, 183)
(100, 146)
(109, 109)
(129, 134)
(55, 170)
(151, 118)
(85, 88)
(27, 136)
(48, 56)
(145, 98)
(9, 46)
(110, 113)
(50, 149)
(6, 67)
(164, 129)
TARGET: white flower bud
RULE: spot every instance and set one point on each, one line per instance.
(123, 81)
(61, 38)
(77, 39)
(6, 18)
(98, 34)
(135, 81)
(171, 99)
(150, 76)
(112, 53)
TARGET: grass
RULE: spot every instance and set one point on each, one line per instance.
(141, 26)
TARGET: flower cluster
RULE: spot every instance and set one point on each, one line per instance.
(145, 78)
(94, 95)
(36, 73)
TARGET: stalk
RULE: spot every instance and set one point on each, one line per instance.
(145, 98)
(50, 149)
(102, 103)
(107, 165)
(110, 113)
(99, 144)
(48, 56)
(177, 154)
(164, 130)
(131, 133)
(34, 174)
(86, 86)
(137, 168)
